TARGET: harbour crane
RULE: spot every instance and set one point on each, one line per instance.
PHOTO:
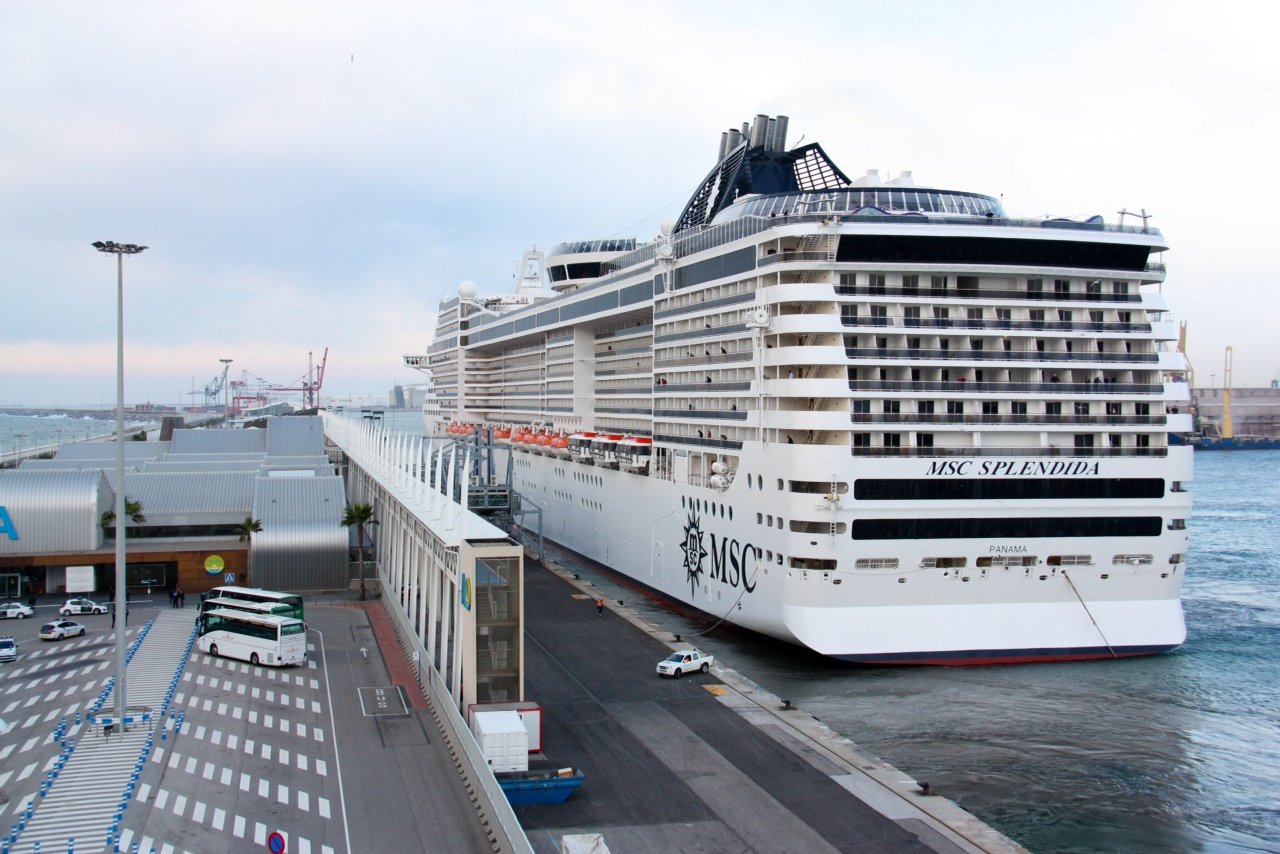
(309, 383)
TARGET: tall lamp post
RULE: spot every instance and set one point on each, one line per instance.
(122, 609)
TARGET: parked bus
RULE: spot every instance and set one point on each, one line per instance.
(279, 609)
(254, 594)
(255, 638)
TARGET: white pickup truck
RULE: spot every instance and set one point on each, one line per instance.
(685, 661)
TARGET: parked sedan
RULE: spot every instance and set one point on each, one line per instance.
(15, 609)
(81, 606)
(59, 629)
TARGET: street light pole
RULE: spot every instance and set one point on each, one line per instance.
(121, 604)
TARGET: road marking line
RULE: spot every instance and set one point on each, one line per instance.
(197, 813)
(244, 782)
(217, 737)
(302, 763)
(162, 798)
(219, 819)
(26, 772)
(191, 765)
(143, 791)
(322, 768)
(237, 828)
(268, 721)
(179, 804)
(259, 833)
(232, 741)
(264, 789)
(208, 771)
(282, 793)
(283, 755)
(266, 751)
(324, 808)
(200, 732)
(304, 801)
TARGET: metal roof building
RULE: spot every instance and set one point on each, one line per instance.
(194, 492)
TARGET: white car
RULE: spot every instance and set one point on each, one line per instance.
(16, 609)
(59, 629)
(81, 606)
(8, 649)
(685, 661)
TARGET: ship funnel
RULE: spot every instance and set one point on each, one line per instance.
(758, 129)
(780, 133)
(735, 139)
(724, 146)
(769, 131)
(871, 179)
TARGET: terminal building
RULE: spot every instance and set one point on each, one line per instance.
(190, 498)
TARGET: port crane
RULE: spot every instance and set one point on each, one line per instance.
(309, 383)
(214, 387)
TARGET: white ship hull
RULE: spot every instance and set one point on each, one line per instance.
(660, 536)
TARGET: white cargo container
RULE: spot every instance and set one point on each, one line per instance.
(503, 740)
(529, 711)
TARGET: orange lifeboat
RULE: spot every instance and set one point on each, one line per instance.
(502, 434)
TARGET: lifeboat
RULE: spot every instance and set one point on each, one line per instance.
(580, 446)
(560, 445)
(634, 452)
(502, 434)
(604, 449)
(542, 441)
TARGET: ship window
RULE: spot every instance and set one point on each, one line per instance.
(955, 407)
(943, 562)
(1120, 287)
(1061, 286)
(938, 283)
(1131, 560)
(990, 407)
(1016, 528)
(759, 518)
(924, 407)
(1177, 524)
(876, 281)
(1176, 558)
(1035, 286)
(891, 407)
(1082, 407)
(924, 440)
(779, 484)
(911, 284)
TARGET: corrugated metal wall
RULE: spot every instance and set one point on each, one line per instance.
(302, 545)
(219, 441)
(55, 511)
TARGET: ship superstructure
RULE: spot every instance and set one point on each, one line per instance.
(881, 419)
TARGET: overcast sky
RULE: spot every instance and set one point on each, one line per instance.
(313, 175)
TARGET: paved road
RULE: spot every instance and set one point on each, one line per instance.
(669, 767)
(326, 755)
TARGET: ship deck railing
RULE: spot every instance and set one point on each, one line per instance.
(999, 325)
(1005, 418)
(926, 292)
(999, 355)
(880, 451)
(960, 387)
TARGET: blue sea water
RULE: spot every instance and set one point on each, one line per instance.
(1172, 753)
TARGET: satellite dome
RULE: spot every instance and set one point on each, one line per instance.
(467, 290)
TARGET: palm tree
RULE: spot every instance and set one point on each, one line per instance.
(248, 528)
(359, 515)
(132, 509)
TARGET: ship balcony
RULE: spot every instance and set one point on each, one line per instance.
(691, 414)
(1054, 451)
(991, 419)
(1002, 294)
(1008, 388)
(880, 354)
(1108, 328)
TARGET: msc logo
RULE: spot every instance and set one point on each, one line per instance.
(6, 525)
(730, 559)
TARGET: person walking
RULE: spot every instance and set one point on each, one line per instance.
(182, 598)
(173, 598)
(599, 607)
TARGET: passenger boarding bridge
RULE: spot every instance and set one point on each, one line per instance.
(452, 582)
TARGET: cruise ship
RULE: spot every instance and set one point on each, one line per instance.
(872, 416)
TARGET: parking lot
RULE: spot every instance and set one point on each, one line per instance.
(327, 755)
(49, 680)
